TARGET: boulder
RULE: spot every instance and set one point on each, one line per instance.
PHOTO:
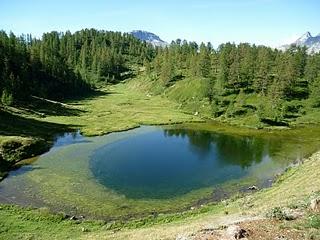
(315, 204)
(183, 237)
(292, 214)
(253, 188)
(236, 232)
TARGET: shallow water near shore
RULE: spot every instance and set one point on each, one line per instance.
(153, 168)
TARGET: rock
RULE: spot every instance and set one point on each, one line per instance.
(236, 232)
(183, 237)
(284, 213)
(291, 214)
(253, 188)
(315, 205)
(281, 237)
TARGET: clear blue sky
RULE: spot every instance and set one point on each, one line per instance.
(270, 22)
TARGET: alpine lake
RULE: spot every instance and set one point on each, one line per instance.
(154, 168)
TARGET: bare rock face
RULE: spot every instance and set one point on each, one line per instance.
(315, 205)
(236, 232)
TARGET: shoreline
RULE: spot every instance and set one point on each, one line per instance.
(47, 144)
(201, 201)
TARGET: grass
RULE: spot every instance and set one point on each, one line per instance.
(238, 110)
(119, 109)
(114, 108)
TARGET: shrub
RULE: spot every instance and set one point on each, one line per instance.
(277, 213)
(6, 98)
(314, 221)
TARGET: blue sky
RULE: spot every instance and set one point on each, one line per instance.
(269, 22)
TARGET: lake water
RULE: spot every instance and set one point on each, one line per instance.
(164, 163)
(147, 169)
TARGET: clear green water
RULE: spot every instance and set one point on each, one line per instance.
(162, 169)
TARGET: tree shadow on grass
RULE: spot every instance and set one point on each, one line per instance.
(15, 125)
(46, 107)
(42, 109)
(95, 93)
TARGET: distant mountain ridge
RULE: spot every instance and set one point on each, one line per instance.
(307, 40)
(149, 37)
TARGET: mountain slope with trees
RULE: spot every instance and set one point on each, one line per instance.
(62, 65)
(239, 80)
(232, 81)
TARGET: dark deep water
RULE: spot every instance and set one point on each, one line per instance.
(168, 162)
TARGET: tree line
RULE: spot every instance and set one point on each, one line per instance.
(280, 78)
(61, 65)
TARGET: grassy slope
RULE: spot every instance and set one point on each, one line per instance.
(190, 94)
(115, 108)
(120, 109)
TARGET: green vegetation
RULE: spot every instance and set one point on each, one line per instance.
(240, 83)
(65, 65)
